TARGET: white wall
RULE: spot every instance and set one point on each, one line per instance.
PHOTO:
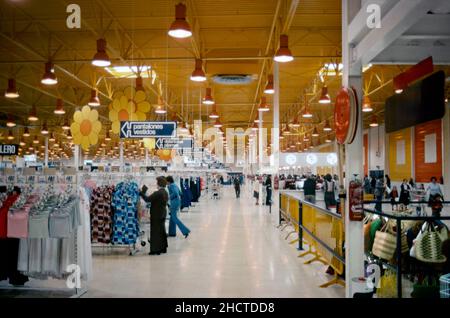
(376, 148)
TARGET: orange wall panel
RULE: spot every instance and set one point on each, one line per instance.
(400, 169)
(424, 171)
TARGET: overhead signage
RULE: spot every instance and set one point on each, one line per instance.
(174, 143)
(9, 150)
(147, 129)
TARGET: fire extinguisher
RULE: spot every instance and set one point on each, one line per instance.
(356, 200)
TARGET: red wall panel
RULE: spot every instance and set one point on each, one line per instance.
(424, 171)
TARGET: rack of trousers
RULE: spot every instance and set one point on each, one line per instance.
(44, 232)
(399, 218)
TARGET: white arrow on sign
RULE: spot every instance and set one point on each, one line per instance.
(126, 131)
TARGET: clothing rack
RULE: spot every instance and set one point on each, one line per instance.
(29, 178)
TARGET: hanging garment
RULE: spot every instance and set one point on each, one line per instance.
(186, 194)
(7, 203)
(125, 203)
(84, 249)
(101, 215)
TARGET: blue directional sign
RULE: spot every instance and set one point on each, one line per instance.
(174, 143)
(147, 129)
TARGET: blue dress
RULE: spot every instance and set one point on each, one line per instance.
(125, 223)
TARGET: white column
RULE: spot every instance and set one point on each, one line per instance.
(121, 156)
(276, 135)
(352, 77)
(46, 153)
(76, 156)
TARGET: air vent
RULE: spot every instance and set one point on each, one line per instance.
(233, 79)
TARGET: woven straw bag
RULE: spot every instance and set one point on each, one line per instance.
(385, 243)
(428, 246)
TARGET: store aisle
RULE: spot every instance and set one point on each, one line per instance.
(235, 250)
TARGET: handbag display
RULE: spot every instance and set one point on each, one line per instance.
(426, 289)
(385, 243)
(428, 245)
(388, 286)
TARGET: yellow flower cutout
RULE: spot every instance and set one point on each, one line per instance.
(128, 105)
(86, 127)
(149, 143)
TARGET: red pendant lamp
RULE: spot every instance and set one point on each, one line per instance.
(208, 99)
(59, 109)
(325, 97)
(269, 87)
(49, 77)
(11, 91)
(94, 101)
(101, 58)
(198, 75)
(263, 106)
(180, 28)
(284, 54)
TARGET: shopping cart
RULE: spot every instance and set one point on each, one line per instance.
(144, 229)
(215, 192)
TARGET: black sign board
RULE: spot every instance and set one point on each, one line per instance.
(174, 143)
(9, 150)
(421, 102)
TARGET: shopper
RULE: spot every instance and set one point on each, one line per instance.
(379, 192)
(405, 190)
(175, 204)
(373, 183)
(388, 185)
(309, 190)
(434, 189)
(412, 183)
(393, 196)
(330, 192)
(256, 190)
(158, 211)
(268, 186)
(237, 187)
(367, 186)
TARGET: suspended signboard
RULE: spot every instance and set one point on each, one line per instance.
(147, 129)
(174, 143)
(9, 150)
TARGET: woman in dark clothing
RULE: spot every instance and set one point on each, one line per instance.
(268, 185)
(388, 185)
(158, 213)
(405, 190)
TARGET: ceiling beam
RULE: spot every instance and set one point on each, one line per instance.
(396, 22)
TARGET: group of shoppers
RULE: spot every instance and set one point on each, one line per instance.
(266, 186)
(169, 195)
(329, 185)
(382, 187)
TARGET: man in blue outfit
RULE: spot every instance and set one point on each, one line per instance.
(175, 204)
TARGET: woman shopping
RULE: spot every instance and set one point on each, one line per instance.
(175, 203)
(158, 213)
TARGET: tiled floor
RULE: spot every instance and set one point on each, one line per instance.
(235, 250)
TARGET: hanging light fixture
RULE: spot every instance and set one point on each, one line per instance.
(306, 138)
(374, 121)
(208, 99)
(255, 127)
(59, 109)
(33, 114)
(198, 75)
(107, 137)
(49, 77)
(35, 140)
(101, 58)
(26, 132)
(306, 113)
(287, 130)
(263, 106)
(184, 129)
(94, 101)
(218, 124)
(327, 126)
(44, 129)
(367, 104)
(52, 137)
(214, 114)
(66, 125)
(180, 28)
(328, 140)
(10, 135)
(315, 132)
(325, 97)
(22, 143)
(10, 122)
(139, 83)
(11, 91)
(160, 109)
(269, 86)
(283, 54)
(296, 123)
